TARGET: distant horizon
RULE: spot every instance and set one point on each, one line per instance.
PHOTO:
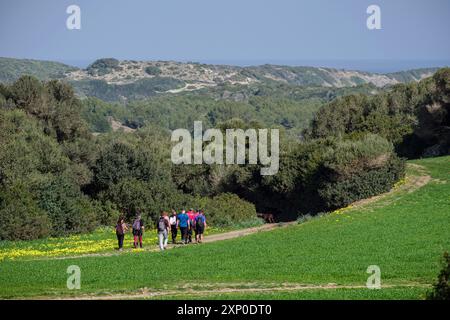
(335, 34)
(381, 66)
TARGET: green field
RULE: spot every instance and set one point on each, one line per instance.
(405, 233)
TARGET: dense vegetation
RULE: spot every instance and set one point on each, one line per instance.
(415, 116)
(57, 178)
(319, 175)
(271, 104)
(12, 69)
(139, 89)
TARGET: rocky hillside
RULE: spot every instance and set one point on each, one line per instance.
(111, 79)
(200, 75)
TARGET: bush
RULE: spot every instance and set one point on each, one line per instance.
(28, 94)
(441, 289)
(106, 212)
(227, 210)
(20, 216)
(153, 71)
(40, 178)
(442, 80)
(68, 210)
(103, 66)
(357, 169)
(131, 194)
(340, 192)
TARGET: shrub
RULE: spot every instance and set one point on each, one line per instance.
(357, 169)
(106, 212)
(103, 66)
(28, 94)
(68, 210)
(442, 80)
(114, 163)
(153, 71)
(147, 197)
(342, 191)
(441, 288)
(20, 216)
(131, 194)
(227, 210)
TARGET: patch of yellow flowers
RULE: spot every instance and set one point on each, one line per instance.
(399, 183)
(67, 247)
(99, 241)
(73, 245)
(342, 210)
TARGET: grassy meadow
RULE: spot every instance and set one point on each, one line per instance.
(405, 233)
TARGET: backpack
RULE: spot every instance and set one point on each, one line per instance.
(200, 221)
(173, 220)
(183, 218)
(119, 228)
(137, 224)
(161, 224)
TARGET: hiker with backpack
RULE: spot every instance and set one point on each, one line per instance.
(183, 223)
(196, 213)
(163, 227)
(138, 230)
(121, 228)
(173, 225)
(200, 225)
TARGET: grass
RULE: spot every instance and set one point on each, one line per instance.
(404, 234)
(411, 293)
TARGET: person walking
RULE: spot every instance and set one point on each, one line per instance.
(191, 215)
(173, 226)
(183, 223)
(197, 212)
(138, 230)
(121, 228)
(163, 227)
(200, 225)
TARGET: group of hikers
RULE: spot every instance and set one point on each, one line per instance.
(191, 223)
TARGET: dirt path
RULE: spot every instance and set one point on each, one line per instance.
(215, 289)
(411, 184)
(245, 232)
(208, 239)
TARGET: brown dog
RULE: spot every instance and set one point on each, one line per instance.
(268, 217)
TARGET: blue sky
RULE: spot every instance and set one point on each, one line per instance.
(232, 30)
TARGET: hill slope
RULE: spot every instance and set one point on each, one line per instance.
(112, 80)
(403, 233)
(202, 75)
(11, 69)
